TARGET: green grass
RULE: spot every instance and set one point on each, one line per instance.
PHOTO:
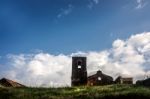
(96, 92)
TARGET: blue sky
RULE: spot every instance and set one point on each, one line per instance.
(65, 26)
(38, 38)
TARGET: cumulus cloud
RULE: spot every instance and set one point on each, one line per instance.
(40, 69)
(126, 57)
(140, 4)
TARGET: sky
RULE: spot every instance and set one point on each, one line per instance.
(39, 37)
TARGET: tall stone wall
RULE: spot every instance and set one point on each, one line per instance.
(79, 71)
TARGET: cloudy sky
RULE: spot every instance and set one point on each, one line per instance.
(39, 37)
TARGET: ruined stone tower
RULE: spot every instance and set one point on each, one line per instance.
(79, 72)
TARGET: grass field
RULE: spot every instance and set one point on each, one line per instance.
(96, 92)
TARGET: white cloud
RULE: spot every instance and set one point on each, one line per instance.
(126, 57)
(92, 3)
(66, 11)
(140, 4)
(96, 1)
(40, 69)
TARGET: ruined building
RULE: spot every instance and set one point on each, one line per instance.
(99, 79)
(9, 83)
(79, 74)
(124, 80)
(79, 71)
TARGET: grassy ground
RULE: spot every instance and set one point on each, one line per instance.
(96, 92)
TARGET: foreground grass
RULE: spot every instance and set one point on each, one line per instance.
(96, 92)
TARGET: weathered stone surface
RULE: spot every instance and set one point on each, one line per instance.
(99, 79)
(124, 80)
(79, 71)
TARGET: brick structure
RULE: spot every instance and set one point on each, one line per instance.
(99, 79)
(124, 80)
(79, 71)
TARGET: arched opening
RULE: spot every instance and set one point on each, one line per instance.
(79, 64)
